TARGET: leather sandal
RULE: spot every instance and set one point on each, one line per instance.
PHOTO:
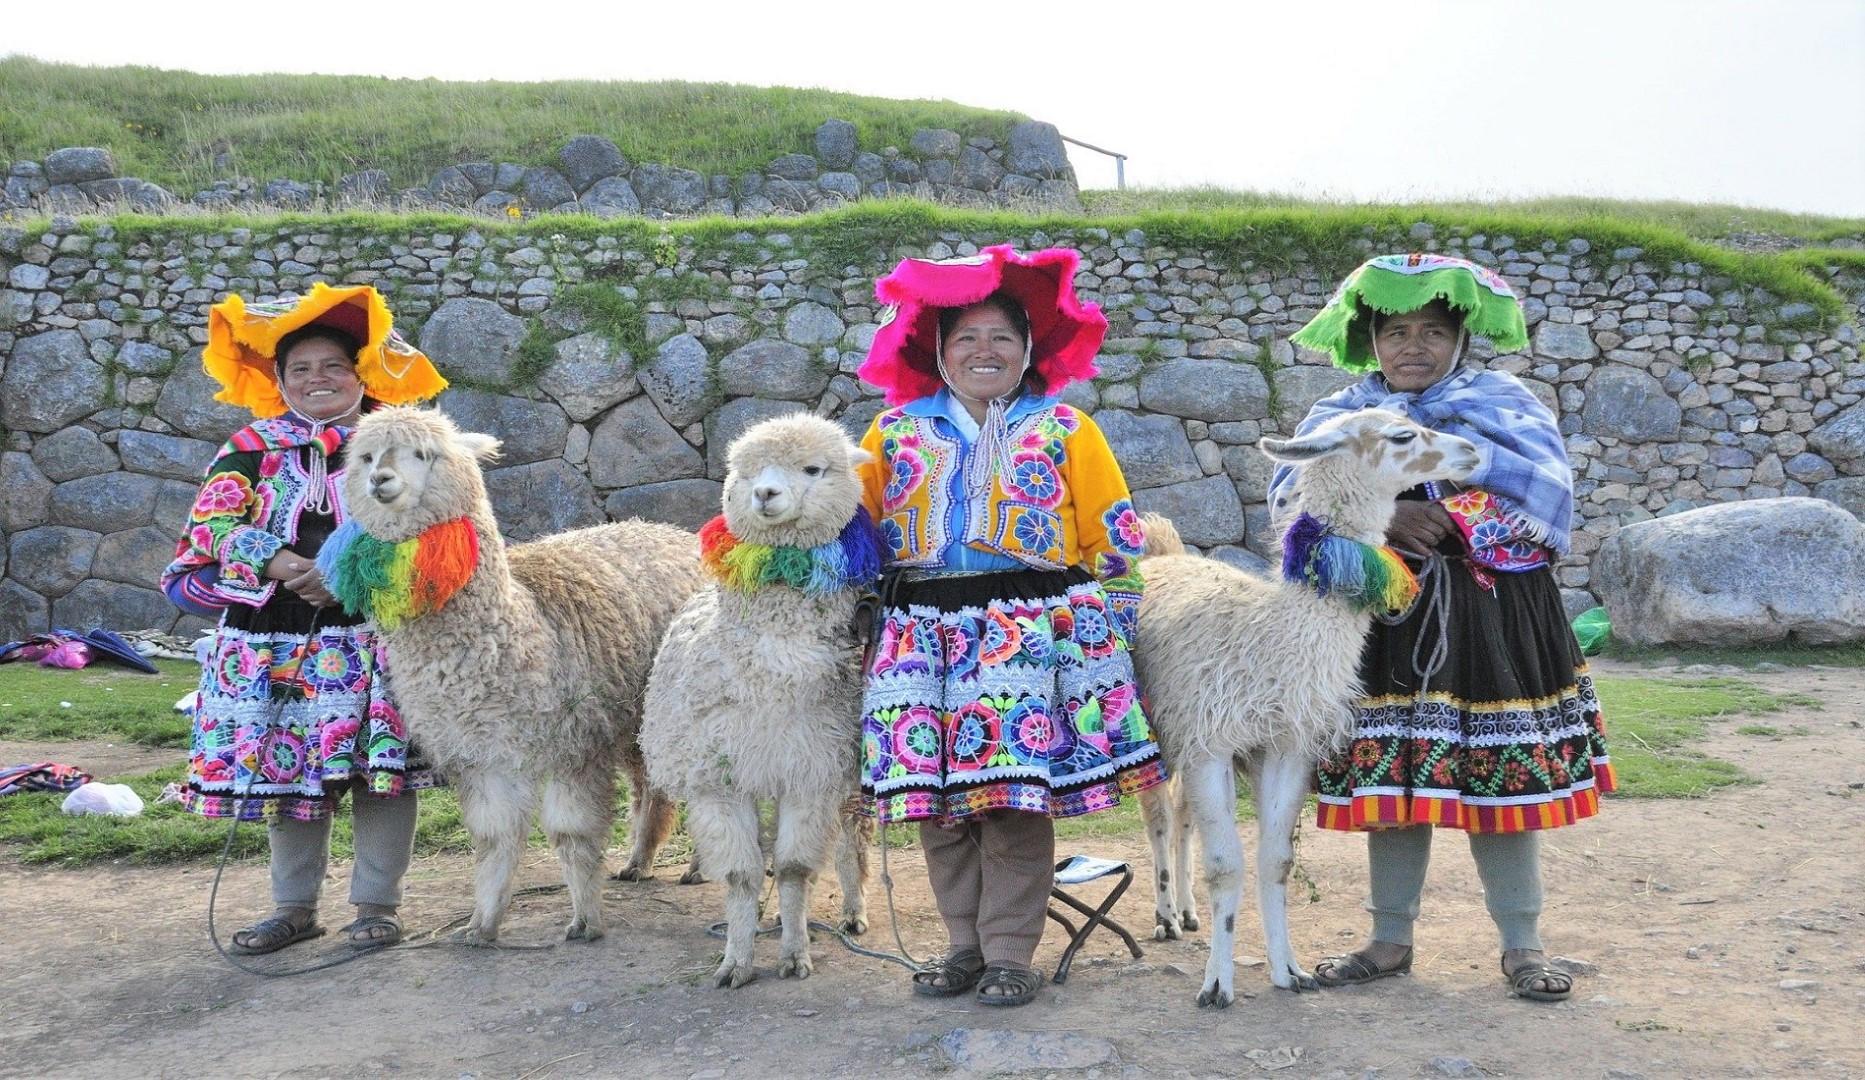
(362, 932)
(271, 934)
(1358, 967)
(949, 976)
(1018, 985)
(1523, 979)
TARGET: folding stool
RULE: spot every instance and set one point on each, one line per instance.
(1079, 870)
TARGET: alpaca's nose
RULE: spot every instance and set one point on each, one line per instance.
(764, 493)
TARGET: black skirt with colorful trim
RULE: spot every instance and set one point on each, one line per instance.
(1508, 734)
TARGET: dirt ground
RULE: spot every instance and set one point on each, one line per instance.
(1728, 934)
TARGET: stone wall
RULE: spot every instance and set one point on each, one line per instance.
(618, 366)
(1029, 169)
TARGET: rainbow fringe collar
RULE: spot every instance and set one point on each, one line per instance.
(390, 583)
(851, 560)
(1364, 577)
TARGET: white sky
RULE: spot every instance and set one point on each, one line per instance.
(1760, 104)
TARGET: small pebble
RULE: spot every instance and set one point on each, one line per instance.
(1798, 984)
(580, 1008)
(1692, 954)
(804, 1012)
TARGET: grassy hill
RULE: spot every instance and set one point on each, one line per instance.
(169, 127)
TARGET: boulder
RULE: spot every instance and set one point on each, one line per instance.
(50, 382)
(733, 419)
(115, 606)
(79, 164)
(1841, 439)
(1036, 150)
(23, 612)
(134, 557)
(1299, 387)
(25, 493)
(1846, 491)
(1564, 341)
(1745, 573)
(51, 559)
(686, 503)
(187, 404)
(1211, 390)
(679, 191)
(813, 324)
(795, 167)
(774, 369)
(936, 143)
(71, 453)
(364, 186)
(477, 340)
(589, 158)
(680, 380)
(165, 456)
(1152, 450)
(543, 188)
(835, 143)
(590, 374)
(528, 430)
(1629, 404)
(610, 197)
(105, 502)
(540, 499)
(1207, 512)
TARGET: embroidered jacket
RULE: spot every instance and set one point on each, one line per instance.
(248, 509)
(1059, 501)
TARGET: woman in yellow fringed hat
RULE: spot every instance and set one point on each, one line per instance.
(294, 708)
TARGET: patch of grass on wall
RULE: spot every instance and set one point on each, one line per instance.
(607, 312)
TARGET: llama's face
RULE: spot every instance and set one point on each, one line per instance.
(792, 481)
(1390, 453)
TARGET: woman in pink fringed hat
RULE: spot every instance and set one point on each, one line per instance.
(1001, 693)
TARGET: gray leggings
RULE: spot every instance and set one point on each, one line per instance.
(1508, 863)
(384, 829)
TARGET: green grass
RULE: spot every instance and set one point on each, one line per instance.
(1650, 722)
(169, 126)
(104, 701)
(1786, 654)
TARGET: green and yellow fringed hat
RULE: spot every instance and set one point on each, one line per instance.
(1395, 284)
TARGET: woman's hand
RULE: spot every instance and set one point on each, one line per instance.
(1418, 526)
(301, 576)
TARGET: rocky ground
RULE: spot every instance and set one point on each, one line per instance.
(1724, 936)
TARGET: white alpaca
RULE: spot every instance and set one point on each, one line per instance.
(529, 679)
(1243, 672)
(756, 693)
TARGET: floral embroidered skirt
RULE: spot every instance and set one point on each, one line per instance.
(292, 714)
(1508, 736)
(1003, 691)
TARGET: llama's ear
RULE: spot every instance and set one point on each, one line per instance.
(858, 457)
(1303, 448)
(483, 447)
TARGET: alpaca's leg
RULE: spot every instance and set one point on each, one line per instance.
(851, 865)
(650, 823)
(1211, 787)
(1182, 834)
(805, 829)
(497, 813)
(726, 833)
(1156, 805)
(579, 813)
(1280, 785)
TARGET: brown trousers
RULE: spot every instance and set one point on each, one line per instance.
(991, 878)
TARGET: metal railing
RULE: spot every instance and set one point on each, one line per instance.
(1120, 161)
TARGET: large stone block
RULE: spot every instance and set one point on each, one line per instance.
(1211, 390)
(25, 493)
(1842, 439)
(611, 196)
(106, 502)
(1564, 341)
(1846, 491)
(134, 556)
(835, 143)
(544, 187)
(114, 606)
(590, 374)
(686, 503)
(540, 499)
(79, 165)
(187, 403)
(165, 455)
(773, 369)
(635, 445)
(1152, 450)
(50, 382)
(733, 419)
(71, 453)
(51, 559)
(23, 612)
(1629, 404)
(936, 143)
(589, 158)
(474, 339)
(1036, 149)
(1207, 512)
(1299, 387)
(680, 380)
(1746, 573)
(529, 430)
(678, 191)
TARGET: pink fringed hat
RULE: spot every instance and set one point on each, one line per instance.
(1065, 334)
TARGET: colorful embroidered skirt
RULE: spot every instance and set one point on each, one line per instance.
(1508, 736)
(289, 720)
(1005, 691)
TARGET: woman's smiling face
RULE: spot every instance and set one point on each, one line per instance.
(983, 353)
(320, 380)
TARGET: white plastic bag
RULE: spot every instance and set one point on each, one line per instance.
(117, 800)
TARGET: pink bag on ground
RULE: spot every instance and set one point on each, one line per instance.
(69, 654)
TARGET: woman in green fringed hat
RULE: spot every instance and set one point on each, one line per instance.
(1478, 714)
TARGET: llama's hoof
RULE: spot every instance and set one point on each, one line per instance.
(475, 937)
(1165, 927)
(1216, 996)
(692, 877)
(795, 967)
(854, 923)
(733, 975)
(581, 930)
(1294, 979)
(1188, 921)
(632, 872)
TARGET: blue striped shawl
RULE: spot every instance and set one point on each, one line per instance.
(1524, 458)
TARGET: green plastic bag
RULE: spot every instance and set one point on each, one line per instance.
(1591, 628)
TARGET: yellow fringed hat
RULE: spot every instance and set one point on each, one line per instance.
(242, 340)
